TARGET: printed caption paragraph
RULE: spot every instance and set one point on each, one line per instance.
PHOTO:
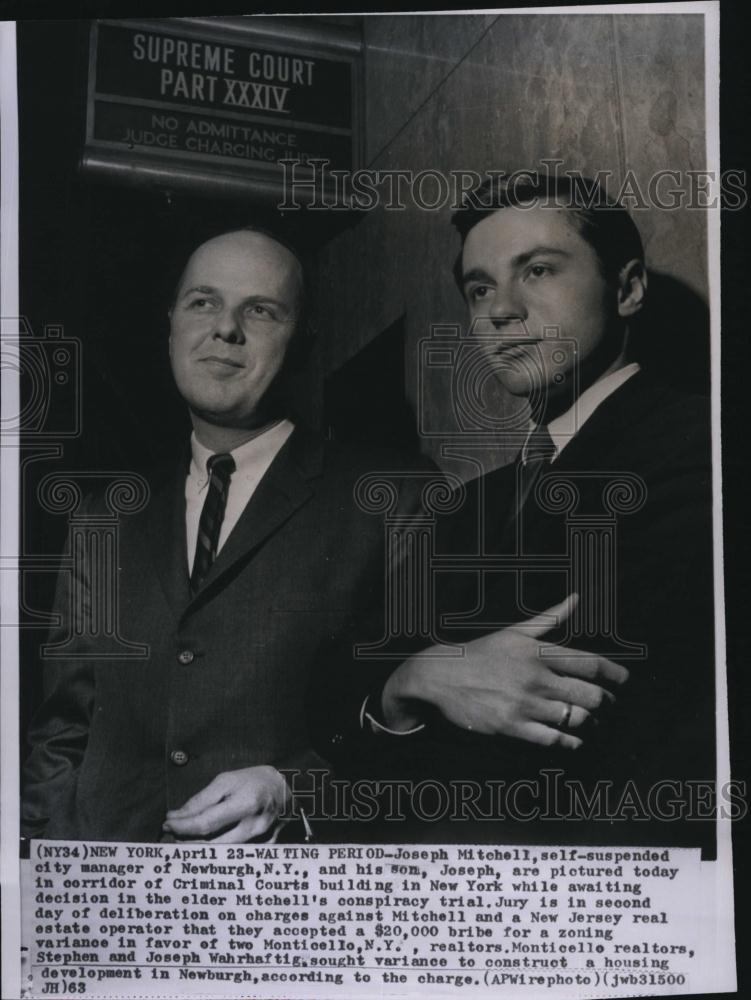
(120, 920)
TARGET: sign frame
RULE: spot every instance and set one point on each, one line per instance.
(215, 174)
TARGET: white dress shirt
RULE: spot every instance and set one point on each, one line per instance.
(252, 461)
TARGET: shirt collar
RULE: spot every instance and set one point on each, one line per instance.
(260, 450)
(563, 428)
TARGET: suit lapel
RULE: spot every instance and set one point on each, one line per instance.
(631, 403)
(166, 536)
(286, 487)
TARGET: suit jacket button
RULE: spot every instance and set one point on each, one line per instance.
(186, 656)
(337, 738)
(179, 757)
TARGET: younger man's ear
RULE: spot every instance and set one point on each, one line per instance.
(632, 287)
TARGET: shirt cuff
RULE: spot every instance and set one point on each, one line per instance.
(379, 726)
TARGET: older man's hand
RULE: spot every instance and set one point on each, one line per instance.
(235, 807)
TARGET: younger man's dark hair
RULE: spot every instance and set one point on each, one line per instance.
(604, 224)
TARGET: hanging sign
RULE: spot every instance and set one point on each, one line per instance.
(215, 105)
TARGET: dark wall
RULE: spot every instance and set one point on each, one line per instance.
(601, 92)
(444, 92)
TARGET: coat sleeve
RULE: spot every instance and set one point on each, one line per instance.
(59, 731)
(352, 669)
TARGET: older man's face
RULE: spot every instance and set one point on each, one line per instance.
(231, 324)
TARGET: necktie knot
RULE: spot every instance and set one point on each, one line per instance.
(537, 452)
(539, 446)
(221, 465)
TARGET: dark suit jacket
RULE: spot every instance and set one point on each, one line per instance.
(655, 444)
(301, 562)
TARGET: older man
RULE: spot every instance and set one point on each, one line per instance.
(250, 552)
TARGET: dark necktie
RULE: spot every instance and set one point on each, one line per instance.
(536, 455)
(220, 469)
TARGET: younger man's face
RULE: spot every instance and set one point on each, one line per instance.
(527, 273)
